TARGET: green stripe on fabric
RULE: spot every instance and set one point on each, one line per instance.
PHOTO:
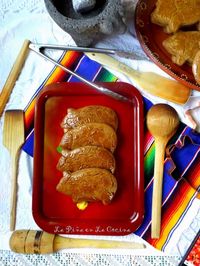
(105, 75)
(149, 164)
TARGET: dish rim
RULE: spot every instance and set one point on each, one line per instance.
(60, 226)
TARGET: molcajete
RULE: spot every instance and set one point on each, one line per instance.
(87, 27)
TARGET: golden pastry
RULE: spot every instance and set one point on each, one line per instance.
(88, 185)
(183, 46)
(86, 157)
(90, 114)
(173, 14)
(91, 134)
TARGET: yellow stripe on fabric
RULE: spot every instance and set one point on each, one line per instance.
(58, 70)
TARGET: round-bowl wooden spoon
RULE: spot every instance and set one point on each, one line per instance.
(162, 122)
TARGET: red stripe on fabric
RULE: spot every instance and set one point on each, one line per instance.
(189, 164)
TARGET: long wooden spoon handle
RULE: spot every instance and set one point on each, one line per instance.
(13, 75)
(13, 199)
(157, 187)
(13, 138)
(150, 82)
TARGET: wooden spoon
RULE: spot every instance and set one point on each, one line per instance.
(13, 138)
(39, 242)
(162, 122)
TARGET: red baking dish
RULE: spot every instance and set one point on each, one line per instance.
(55, 212)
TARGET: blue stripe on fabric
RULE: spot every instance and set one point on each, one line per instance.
(194, 135)
(86, 69)
(183, 157)
(29, 144)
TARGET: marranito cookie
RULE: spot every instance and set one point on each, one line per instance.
(183, 46)
(173, 14)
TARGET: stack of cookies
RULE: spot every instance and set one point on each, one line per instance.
(181, 19)
(87, 160)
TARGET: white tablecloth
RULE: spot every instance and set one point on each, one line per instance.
(19, 20)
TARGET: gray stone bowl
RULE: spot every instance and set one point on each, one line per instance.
(86, 28)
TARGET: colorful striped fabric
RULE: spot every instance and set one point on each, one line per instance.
(76, 62)
(182, 165)
(181, 183)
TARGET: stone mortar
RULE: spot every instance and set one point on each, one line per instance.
(86, 28)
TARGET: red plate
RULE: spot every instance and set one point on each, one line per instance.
(151, 37)
(55, 212)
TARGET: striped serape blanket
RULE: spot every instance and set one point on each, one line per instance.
(182, 163)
